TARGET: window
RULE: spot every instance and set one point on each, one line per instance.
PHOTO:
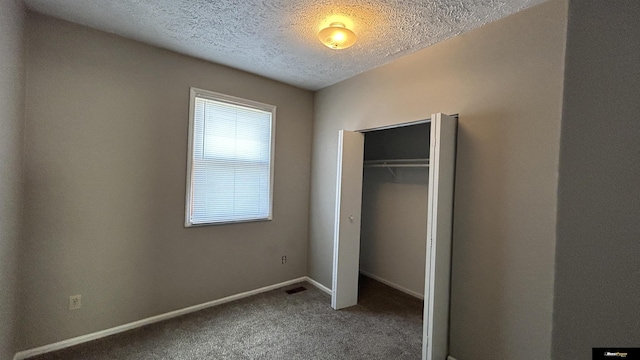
(230, 164)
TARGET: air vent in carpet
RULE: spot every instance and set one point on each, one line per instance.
(296, 290)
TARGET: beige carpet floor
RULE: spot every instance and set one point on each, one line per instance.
(386, 324)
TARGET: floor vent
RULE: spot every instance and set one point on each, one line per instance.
(296, 290)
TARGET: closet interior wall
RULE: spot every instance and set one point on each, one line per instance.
(394, 208)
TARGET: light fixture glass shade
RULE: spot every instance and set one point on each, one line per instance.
(337, 36)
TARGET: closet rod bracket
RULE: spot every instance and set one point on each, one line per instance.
(392, 173)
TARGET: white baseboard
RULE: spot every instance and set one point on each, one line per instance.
(393, 285)
(136, 324)
(319, 286)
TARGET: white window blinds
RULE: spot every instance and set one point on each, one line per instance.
(230, 172)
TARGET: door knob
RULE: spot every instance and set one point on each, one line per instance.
(351, 218)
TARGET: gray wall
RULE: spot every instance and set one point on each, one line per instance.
(505, 80)
(11, 124)
(106, 141)
(393, 235)
(597, 290)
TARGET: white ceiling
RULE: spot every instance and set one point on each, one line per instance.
(278, 38)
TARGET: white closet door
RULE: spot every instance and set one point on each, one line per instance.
(435, 344)
(346, 249)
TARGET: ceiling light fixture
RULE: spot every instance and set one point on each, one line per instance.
(337, 36)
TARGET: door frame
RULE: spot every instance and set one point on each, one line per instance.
(428, 299)
(345, 255)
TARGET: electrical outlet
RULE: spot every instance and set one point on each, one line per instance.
(75, 302)
(284, 259)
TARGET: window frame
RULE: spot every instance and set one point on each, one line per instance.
(228, 99)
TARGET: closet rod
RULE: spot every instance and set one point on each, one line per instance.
(396, 165)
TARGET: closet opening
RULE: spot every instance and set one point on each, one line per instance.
(386, 179)
(393, 227)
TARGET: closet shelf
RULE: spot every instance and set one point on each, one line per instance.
(397, 163)
(390, 164)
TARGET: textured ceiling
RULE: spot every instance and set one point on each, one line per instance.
(278, 38)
